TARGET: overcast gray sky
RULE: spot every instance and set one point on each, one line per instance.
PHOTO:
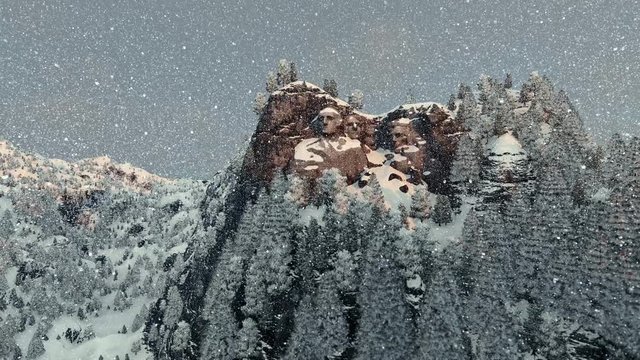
(168, 85)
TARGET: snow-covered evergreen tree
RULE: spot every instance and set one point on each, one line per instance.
(331, 87)
(465, 169)
(36, 347)
(442, 210)
(269, 275)
(420, 207)
(304, 339)
(259, 103)
(356, 99)
(385, 330)
(320, 326)
(440, 329)
(221, 327)
(249, 345)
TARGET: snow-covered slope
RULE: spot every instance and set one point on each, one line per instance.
(23, 169)
(85, 249)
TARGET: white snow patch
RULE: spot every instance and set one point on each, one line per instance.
(312, 212)
(450, 233)
(393, 196)
(505, 144)
(365, 115)
(339, 102)
(329, 111)
(601, 195)
(409, 149)
(309, 149)
(377, 157)
(300, 83)
(545, 130)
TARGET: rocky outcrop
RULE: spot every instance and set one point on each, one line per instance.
(505, 167)
(304, 130)
(314, 155)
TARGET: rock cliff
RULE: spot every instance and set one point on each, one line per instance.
(304, 130)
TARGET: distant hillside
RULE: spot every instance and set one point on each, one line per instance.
(85, 248)
(23, 169)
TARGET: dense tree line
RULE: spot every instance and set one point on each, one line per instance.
(550, 265)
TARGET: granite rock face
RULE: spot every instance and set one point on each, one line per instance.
(303, 130)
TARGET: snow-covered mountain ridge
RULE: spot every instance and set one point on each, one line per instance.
(85, 248)
(23, 169)
(487, 228)
(494, 228)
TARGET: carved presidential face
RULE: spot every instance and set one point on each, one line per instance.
(352, 127)
(331, 121)
(331, 125)
(403, 133)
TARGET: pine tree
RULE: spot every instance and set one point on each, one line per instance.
(373, 193)
(488, 95)
(221, 327)
(173, 309)
(6, 226)
(442, 210)
(330, 87)
(495, 258)
(471, 232)
(181, 338)
(331, 322)
(272, 82)
(465, 169)
(543, 253)
(623, 263)
(451, 104)
(439, 326)
(139, 319)
(614, 167)
(385, 331)
(344, 272)
(356, 224)
(331, 183)
(248, 342)
(136, 347)
(356, 99)
(409, 250)
(467, 110)
(250, 228)
(36, 347)
(259, 104)
(320, 326)
(304, 339)
(508, 81)
(517, 218)
(283, 74)
(504, 119)
(293, 72)
(269, 275)
(310, 255)
(420, 207)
